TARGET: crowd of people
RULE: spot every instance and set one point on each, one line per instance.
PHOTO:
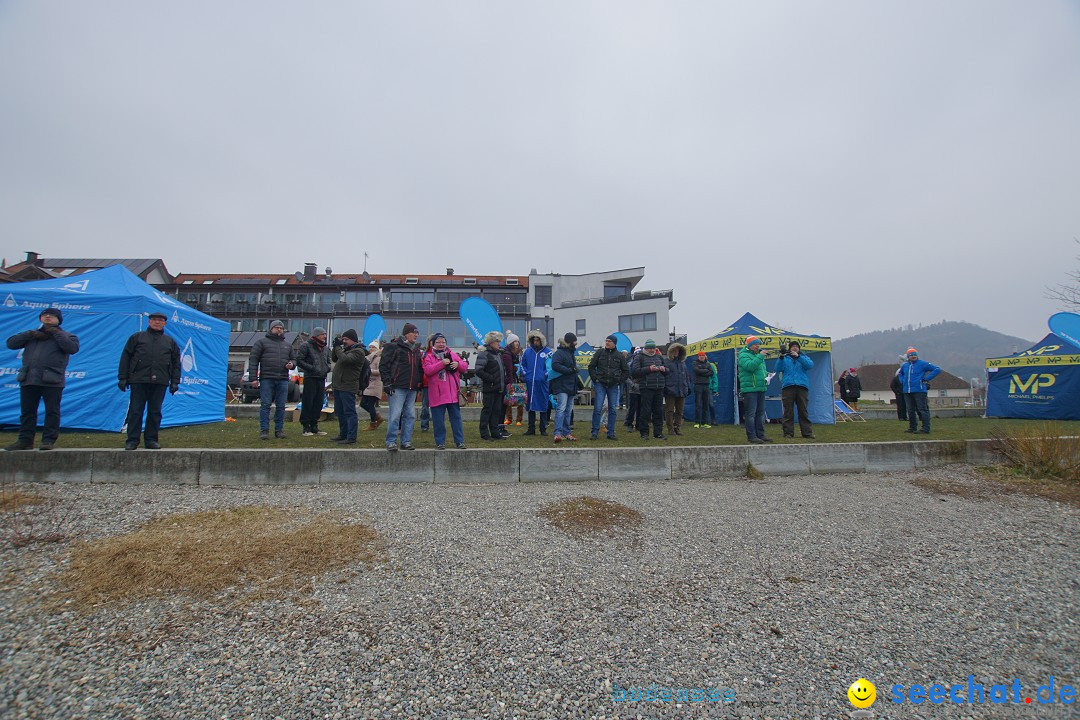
(534, 379)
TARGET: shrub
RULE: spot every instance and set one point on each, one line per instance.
(1040, 451)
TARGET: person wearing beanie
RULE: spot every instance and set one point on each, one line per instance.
(402, 374)
(269, 364)
(534, 372)
(374, 391)
(313, 359)
(854, 388)
(563, 385)
(607, 369)
(46, 351)
(898, 392)
(515, 392)
(793, 367)
(149, 363)
(443, 369)
(678, 384)
(350, 374)
(914, 375)
(650, 370)
(751, 364)
(492, 373)
(703, 397)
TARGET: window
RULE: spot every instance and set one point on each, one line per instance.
(615, 291)
(543, 295)
(580, 330)
(637, 323)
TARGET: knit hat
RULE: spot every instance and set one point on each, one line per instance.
(569, 338)
(851, 370)
(511, 338)
(701, 353)
(650, 344)
(318, 331)
(409, 328)
(350, 333)
(794, 343)
(613, 339)
(374, 344)
(493, 336)
(436, 336)
(911, 351)
(752, 340)
(277, 323)
(157, 314)
(55, 312)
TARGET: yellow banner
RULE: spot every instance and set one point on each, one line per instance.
(1033, 360)
(768, 342)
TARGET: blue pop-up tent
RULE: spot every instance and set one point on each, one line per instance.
(103, 308)
(722, 350)
(1040, 383)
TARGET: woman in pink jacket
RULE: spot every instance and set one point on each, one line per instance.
(442, 371)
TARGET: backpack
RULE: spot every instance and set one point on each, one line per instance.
(365, 376)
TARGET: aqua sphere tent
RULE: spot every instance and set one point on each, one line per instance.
(722, 350)
(1040, 383)
(103, 308)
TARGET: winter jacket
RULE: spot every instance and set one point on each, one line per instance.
(563, 362)
(375, 388)
(443, 383)
(751, 371)
(677, 382)
(853, 387)
(714, 381)
(508, 363)
(703, 371)
(914, 375)
(794, 370)
(268, 357)
(313, 360)
(491, 371)
(608, 367)
(401, 366)
(150, 356)
(45, 355)
(534, 373)
(348, 367)
(646, 368)
(895, 385)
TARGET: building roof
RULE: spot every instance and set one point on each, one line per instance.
(427, 281)
(137, 266)
(878, 377)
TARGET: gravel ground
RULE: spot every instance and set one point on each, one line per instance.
(784, 590)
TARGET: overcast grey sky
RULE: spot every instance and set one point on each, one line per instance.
(832, 167)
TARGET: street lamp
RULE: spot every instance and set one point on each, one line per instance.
(974, 382)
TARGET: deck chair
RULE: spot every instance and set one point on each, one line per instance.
(844, 413)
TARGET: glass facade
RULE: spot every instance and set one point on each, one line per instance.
(637, 323)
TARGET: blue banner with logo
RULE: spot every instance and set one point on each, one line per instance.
(103, 308)
(1040, 383)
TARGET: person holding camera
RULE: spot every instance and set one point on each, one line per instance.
(751, 362)
(349, 377)
(269, 364)
(313, 359)
(149, 363)
(795, 389)
(46, 351)
(443, 369)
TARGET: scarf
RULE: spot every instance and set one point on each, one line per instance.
(439, 356)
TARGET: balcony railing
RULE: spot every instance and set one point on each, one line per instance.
(644, 295)
(301, 309)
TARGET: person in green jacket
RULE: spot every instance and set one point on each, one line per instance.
(752, 386)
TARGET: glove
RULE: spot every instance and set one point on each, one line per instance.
(39, 335)
(173, 388)
(52, 330)
(389, 392)
(338, 342)
(122, 385)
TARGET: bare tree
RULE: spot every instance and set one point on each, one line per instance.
(1067, 293)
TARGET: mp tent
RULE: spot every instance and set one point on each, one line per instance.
(1040, 383)
(103, 308)
(722, 351)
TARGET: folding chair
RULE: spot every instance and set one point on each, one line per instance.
(844, 413)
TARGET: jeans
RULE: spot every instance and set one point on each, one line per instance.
(917, 405)
(402, 411)
(491, 414)
(702, 404)
(454, 412)
(311, 402)
(276, 392)
(425, 411)
(755, 414)
(611, 394)
(794, 397)
(345, 409)
(651, 407)
(562, 413)
(29, 397)
(145, 396)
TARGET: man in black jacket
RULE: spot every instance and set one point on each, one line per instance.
(149, 363)
(44, 366)
(650, 370)
(608, 370)
(564, 385)
(402, 375)
(313, 359)
(492, 373)
(269, 364)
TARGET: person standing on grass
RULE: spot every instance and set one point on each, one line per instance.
(677, 385)
(149, 363)
(443, 369)
(649, 368)
(534, 372)
(703, 374)
(515, 397)
(898, 392)
(914, 374)
(854, 388)
(269, 364)
(564, 385)
(633, 390)
(492, 373)
(402, 375)
(608, 370)
(795, 389)
(46, 352)
(313, 359)
(347, 379)
(751, 362)
(374, 390)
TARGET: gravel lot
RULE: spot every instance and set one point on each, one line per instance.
(785, 590)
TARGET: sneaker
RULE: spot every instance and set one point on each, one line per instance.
(407, 446)
(152, 445)
(320, 432)
(279, 434)
(264, 434)
(506, 434)
(543, 433)
(19, 446)
(440, 447)
(558, 438)
(517, 424)
(706, 426)
(570, 438)
(130, 445)
(645, 436)
(756, 441)
(462, 446)
(661, 437)
(392, 448)
(308, 433)
(696, 425)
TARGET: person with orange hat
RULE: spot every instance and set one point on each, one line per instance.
(914, 374)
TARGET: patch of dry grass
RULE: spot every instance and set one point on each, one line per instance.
(253, 549)
(1041, 450)
(586, 515)
(11, 499)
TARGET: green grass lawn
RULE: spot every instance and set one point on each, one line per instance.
(244, 433)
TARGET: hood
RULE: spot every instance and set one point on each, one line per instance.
(562, 344)
(532, 334)
(676, 351)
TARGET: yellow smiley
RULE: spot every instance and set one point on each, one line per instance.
(862, 693)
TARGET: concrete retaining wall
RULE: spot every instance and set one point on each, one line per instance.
(313, 467)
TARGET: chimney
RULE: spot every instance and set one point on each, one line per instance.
(449, 271)
(309, 271)
(32, 257)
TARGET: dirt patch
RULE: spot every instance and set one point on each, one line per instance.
(253, 550)
(997, 482)
(586, 515)
(15, 499)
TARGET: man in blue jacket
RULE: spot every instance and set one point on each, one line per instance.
(795, 389)
(913, 376)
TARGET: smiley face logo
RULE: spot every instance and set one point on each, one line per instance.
(862, 693)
